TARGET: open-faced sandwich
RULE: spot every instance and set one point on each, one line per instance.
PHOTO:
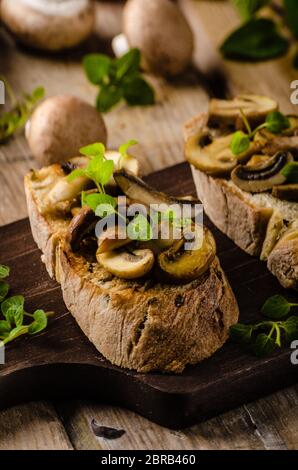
(244, 155)
(146, 302)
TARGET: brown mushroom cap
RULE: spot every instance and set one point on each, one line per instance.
(60, 126)
(39, 29)
(159, 29)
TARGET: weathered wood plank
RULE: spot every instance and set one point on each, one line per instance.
(233, 430)
(211, 21)
(34, 426)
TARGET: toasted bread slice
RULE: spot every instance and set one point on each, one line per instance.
(142, 325)
(257, 223)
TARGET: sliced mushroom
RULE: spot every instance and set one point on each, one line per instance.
(280, 143)
(263, 176)
(137, 190)
(112, 239)
(255, 108)
(215, 157)
(80, 225)
(180, 264)
(129, 164)
(64, 190)
(127, 265)
(287, 192)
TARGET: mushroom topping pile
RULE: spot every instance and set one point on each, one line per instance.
(51, 25)
(170, 258)
(250, 141)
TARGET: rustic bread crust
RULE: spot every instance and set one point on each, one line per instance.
(242, 221)
(139, 325)
(147, 327)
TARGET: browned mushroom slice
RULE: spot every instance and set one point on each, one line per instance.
(177, 263)
(263, 176)
(255, 108)
(288, 192)
(137, 190)
(80, 225)
(215, 157)
(127, 265)
(281, 143)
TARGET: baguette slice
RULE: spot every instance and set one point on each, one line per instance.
(257, 223)
(141, 325)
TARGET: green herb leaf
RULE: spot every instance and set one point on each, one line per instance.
(4, 288)
(109, 96)
(277, 122)
(291, 7)
(13, 309)
(95, 200)
(290, 171)
(4, 327)
(256, 40)
(241, 333)
(15, 333)
(76, 174)
(290, 327)
(124, 147)
(128, 65)
(97, 67)
(139, 229)
(276, 307)
(40, 322)
(106, 205)
(264, 345)
(247, 8)
(15, 119)
(4, 271)
(138, 92)
(240, 143)
(93, 150)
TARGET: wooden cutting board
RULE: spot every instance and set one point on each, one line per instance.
(61, 362)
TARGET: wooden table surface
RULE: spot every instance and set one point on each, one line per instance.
(269, 423)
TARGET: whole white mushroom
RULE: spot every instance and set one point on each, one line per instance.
(60, 126)
(49, 24)
(159, 29)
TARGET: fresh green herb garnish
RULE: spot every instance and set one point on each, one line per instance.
(4, 287)
(290, 171)
(256, 40)
(14, 315)
(275, 122)
(277, 307)
(118, 79)
(240, 143)
(16, 118)
(260, 38)
(266, 336)
(100, 170)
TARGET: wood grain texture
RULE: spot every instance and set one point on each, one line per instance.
(35, 426)
(242, 428)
